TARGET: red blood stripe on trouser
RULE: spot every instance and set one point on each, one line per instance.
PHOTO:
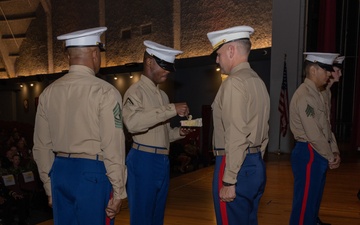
(223, 212)
(307, 184)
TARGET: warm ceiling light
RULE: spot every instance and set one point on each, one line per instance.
(31, 84)
(131, 76)
(115, 77)
(21, 85)
(218, 69)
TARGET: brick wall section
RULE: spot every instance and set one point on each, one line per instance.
(202, 16)
(132, 15)
(33, 50)
(68, 16)
(197, 18)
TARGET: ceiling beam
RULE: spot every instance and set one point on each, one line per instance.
(9, 65)
(46, 5)
(29, 16)
(17, 36)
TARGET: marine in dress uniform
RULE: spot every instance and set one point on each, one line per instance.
(315, 150)
(334, 78)
(79, 144)
(327, 95)
(241, 112)
(146, 114)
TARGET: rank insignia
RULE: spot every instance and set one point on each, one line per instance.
(128, 100)
(310, 111)
(117, 116)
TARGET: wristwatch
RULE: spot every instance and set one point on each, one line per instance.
(227, 184)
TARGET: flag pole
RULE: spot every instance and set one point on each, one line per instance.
(279, 149)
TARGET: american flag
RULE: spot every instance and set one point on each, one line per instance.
(284, 103)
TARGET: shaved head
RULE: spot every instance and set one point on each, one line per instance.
(86, 56)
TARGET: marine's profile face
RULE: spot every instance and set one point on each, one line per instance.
(222, 60)
(158, 74)
(336, 74)
(322, 76)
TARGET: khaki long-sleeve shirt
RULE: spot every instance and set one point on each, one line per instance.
(241, 111)
(327, 99)
(309, 119)
(146, 114)
(80, 113)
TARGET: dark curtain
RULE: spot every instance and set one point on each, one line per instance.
(327, 26)
(327, 43)
(356, 126)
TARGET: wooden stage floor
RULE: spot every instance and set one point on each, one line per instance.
(190, 198)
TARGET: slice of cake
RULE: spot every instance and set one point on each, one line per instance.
(191, 123)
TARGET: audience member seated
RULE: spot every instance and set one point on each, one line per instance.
(7, 160)
(16, 169)
(12, 204)
(17, 162)
(27, 176)
(179, 157)
(185, 158)
(23, 151)
(23, 186)
(192, 151)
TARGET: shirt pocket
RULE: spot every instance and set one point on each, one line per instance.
(321, 116)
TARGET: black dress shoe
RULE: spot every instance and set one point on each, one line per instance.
(319, 222)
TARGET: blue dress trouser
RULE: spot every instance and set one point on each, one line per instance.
(80, 192)
(250, 187)
(309, 170)
(147, 187)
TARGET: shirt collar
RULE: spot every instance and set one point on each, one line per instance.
(242, 65)
(311, 84)
(149, 83)
(80, 69)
